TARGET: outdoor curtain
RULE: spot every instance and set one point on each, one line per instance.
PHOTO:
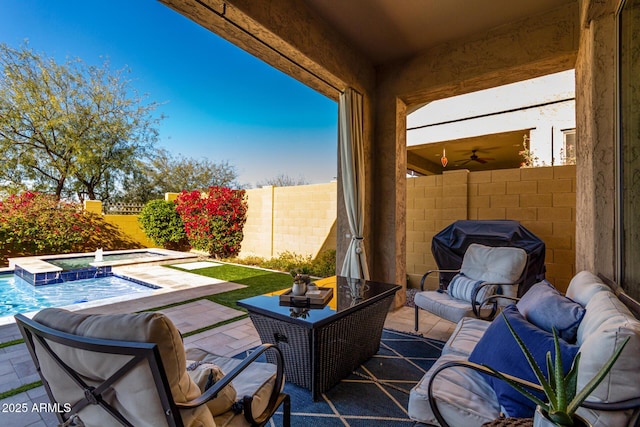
(351, 147)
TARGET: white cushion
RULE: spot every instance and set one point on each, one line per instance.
(462, 287)
(256, 381)
(442, 305)
(463, 397)
(493, 264)
(583, 286)
(466, 335)
(606, 323)
(205, 375)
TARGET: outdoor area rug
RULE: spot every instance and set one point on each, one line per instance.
(376, 394)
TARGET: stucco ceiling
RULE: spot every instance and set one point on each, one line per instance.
(387, 30)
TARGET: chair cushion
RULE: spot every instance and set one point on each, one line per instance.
(493, 264)
(206, 375)
(257, 381)
(145, 409)
(442, 305)
(498, 349)
(544, 306)
(462, 288)
(463, 396)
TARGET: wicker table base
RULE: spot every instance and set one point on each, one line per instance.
(318, 358)
(325, 347)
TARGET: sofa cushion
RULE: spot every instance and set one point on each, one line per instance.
(493, 264)
(606, 323)
(583, 286)
(463, 397)
(145, 409)
(544, 306)
(498, 349)
(462, 288)
(465, 336)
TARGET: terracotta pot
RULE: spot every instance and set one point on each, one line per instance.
(540, 420)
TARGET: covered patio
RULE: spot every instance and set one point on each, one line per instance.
(400, 56)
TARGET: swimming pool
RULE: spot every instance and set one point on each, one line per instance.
(19, 296)
(78, 262)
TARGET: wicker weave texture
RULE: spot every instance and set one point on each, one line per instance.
(295, 343)
(319, 358)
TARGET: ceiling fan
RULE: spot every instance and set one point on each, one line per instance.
(474, 158)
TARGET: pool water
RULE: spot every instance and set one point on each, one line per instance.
(79, 262)
(18, 296)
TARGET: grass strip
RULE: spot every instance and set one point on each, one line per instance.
(217, 325)
(257, 282)
(22, 388)
(10, 343)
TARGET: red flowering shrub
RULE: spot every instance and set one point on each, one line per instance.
(35, 224)
(214, 220)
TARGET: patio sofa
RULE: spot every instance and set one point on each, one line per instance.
(456, 392)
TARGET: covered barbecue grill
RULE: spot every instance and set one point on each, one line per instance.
(450, 244)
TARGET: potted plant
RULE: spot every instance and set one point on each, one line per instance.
(563, 400)
(300, 282)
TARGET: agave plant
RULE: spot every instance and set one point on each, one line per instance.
(563, 400)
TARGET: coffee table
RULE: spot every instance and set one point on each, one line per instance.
(322, 345)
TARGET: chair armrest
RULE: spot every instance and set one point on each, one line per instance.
(633, 404)
(274, 400)
(424, 276)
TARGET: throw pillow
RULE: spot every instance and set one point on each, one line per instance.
(206, 375)
(498, 349)
(462, 287)
(544, 306)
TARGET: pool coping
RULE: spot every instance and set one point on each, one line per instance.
(137, 273)
(38, 264)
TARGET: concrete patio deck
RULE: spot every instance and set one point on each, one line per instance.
(16, 367)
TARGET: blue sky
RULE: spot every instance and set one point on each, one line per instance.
(221, 103)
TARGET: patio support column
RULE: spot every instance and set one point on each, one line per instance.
(388, 262)
(595, 127)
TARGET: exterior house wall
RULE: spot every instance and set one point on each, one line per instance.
(532, 47)
(580, 35)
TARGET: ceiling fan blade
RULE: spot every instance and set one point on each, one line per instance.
(479, 160)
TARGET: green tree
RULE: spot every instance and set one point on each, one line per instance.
(69, 129)
(165, 172)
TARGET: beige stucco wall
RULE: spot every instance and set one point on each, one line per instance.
(300, 219)
(595, 131)
(541, 199)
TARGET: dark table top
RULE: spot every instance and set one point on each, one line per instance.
(348, 294)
